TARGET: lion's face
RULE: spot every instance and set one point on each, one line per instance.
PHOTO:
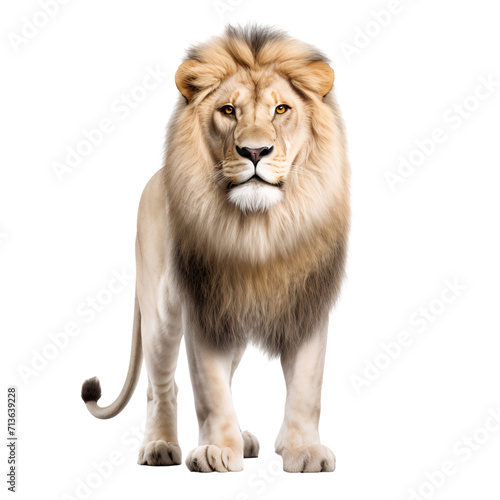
(256, 165)
(256, 125)
(255, 112)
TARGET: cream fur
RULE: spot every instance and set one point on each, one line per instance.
(254, 197)
(226, 259)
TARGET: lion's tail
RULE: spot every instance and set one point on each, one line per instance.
(91, 388)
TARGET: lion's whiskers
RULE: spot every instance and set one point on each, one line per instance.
(218, 176)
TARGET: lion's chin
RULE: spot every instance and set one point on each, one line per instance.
(255, 196)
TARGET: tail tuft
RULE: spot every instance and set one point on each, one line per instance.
(91, 390)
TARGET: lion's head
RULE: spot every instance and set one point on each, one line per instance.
(256, 148)
(257, 123)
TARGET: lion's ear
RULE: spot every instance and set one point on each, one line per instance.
(193, 76)
(185, 78)
(321, 77)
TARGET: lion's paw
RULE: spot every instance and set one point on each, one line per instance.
(160, 453)
(251, 445)
(210, 458)
(314, 458)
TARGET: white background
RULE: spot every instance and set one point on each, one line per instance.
(61, 240)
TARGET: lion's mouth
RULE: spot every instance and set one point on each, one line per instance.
(257, 180)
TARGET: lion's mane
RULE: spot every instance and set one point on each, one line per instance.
(266, 276)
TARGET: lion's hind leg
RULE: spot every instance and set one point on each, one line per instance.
(251, 445)
(161, 341)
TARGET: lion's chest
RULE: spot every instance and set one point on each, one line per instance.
(278, 304)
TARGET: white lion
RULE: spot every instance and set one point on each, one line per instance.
(241, 238)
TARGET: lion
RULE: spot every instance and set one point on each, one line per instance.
(241, 238)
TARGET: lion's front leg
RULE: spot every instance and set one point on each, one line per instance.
(221, 444)
(298, 441)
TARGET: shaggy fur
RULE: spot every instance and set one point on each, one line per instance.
(91, 390)
(230, 249)
(265, 276)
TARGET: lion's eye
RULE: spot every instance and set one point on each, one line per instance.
(282, 108)
(227, 110)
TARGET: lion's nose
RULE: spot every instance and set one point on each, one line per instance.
(254, 154)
